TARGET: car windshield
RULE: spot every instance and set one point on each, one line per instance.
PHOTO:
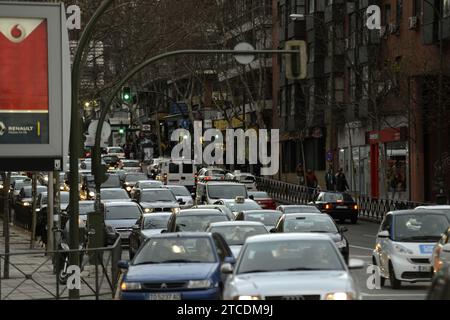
(176, 250)
(158, 195)
(310, 224)
(197, 223)
(150, 184)
(267, 218)
(236, 235)
(113, 181)
(111, 194)
(64, 198)
(289, 255)
(115, 150)
(301, 209)
(215, 172)
(131, 164)
(156, 222)
(180, 191)
(134, 177)
(259, 194)
(419, 227)
(337, 197)
(228, 191)
(122, 212)
(237, 207)
(21, 183)
(39, 189)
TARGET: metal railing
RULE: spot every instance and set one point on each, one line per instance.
(34, 275)
(370, 208)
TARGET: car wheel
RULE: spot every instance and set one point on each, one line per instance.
(354, 220)
(395, 283)
(382, 279)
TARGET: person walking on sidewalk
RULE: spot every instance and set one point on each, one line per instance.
(311, 182)
(341, 181)
(300, 175)
(330, 179)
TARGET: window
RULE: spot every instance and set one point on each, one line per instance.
(311, 6)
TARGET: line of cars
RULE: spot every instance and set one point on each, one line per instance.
(229, 247)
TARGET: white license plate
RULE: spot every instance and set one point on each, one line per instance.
(165, 296)
(341, 207)
(424, 268)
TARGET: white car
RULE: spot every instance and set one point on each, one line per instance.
(405, 243)
(246, 178)
(290, 267)
(115, 151)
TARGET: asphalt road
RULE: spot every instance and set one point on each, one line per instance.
(361, 238)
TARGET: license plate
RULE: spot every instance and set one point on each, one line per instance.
(424, 268)
(165, 296)
(426, 249)
(341, 207)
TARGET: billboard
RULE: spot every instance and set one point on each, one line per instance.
(34, 86)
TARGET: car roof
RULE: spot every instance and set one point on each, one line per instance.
(121, 204)
(236, 223)
(158, 214)
(150, 181)
(306, 214)
(200, 211)
(87, 202)
(224, 183)
(287, 236)
(183, 235)
(111, 189)
(297, 206)
(262, 211)
(415, 211)
(433, 207)
(174, 186)
(155, 189)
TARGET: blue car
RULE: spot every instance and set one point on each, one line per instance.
(176, 266)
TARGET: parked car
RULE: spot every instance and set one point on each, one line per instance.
(263, 199)
(235, 233)
(177, 266)
(194, 220)
(268, 217)
(440, 286)
(148, 225)
(157, 200)
(122, 216)
(182, 194)
(405, 243)
(290, 267)
(287, 209)
(338, 205)
(314, 223)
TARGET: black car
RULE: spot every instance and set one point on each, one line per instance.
(87, 191)
(147, 225)
(111, 160)
(130, 180)
(195, 220)
(314, 223)
(338, 205)
(440, 286)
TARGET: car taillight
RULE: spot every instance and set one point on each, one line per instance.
(328, 206)
(355, 207)
(207, 178)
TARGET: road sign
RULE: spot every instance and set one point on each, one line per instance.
(106, 129)
(296, 64)
(330, 156)
(244, 59)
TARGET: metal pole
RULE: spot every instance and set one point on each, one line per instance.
(50, 212)
(75, 138)
(33, 210)
(6, 185)
(441, 67)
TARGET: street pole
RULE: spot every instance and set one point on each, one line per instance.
(333, 133)
(75, 138)
(33, 210)
(6, 184)
(50, 212)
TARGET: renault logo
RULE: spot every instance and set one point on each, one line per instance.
(2, 128)
(163, 286)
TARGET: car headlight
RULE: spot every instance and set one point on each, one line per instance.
(130, 286)
(91, 194)
(248, 298)
(26, 204)
(148, 210)
(1, 186)
(199, 284)
(128, 189)
(339, 296)
(402, 250)
(176, 210)
(61, 188)
(341, 244)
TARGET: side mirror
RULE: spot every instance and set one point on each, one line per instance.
(180, 201)
(273, 230)
(446, 248)
(135, 227)
(252, 197)
(226, 268)
(229, 260)
(343, 229)
(383, 234)
(354, 264)
(123, 264)
(164, 231)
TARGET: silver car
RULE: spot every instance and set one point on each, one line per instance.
(290, 267)
(183, 195)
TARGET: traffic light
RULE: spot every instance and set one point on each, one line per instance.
(296, 64)
(126, 94)
(122, 131)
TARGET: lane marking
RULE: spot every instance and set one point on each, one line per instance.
(363, 248)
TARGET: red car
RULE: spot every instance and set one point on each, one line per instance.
(263, 199)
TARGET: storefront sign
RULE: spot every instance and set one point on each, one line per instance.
(34, 86)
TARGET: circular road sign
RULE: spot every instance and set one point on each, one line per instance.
(243, 58)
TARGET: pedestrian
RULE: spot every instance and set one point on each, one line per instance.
(300, 175)
(311, 182)
(330, 179)
(341, 181)
(127, 150)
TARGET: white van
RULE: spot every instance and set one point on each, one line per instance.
(178, 173)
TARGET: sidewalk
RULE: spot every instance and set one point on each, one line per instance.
(31, 275)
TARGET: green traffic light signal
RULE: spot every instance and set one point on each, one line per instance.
(121, 130)
(126, 94)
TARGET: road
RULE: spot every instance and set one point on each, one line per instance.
(361, 238)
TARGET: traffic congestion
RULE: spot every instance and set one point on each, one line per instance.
(209, 233)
